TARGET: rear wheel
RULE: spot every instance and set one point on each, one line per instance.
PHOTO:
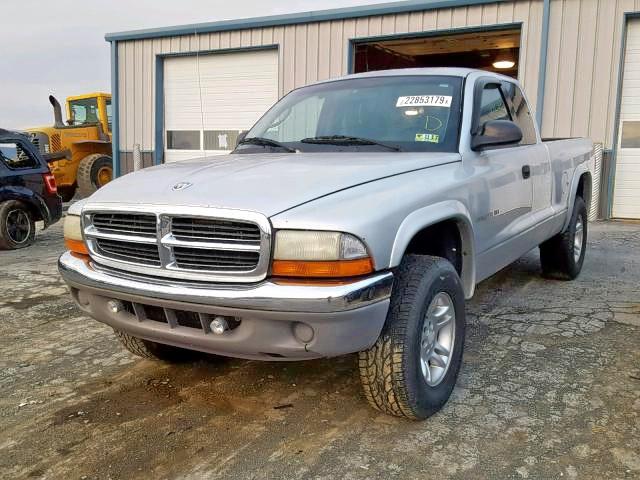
(562, 256)
(17, 226)
(94, 172)
(413, 366)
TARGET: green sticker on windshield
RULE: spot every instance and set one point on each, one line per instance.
(427, 137)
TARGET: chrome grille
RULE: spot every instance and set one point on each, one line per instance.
(144, 253)
(214, 230)
(192, 243)
(131, 224)
(222, 260)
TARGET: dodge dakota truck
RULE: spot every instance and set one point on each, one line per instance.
(357, 215)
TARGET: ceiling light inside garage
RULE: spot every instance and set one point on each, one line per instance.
(504, 64)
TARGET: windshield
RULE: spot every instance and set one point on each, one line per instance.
(83, 111)
(408, 113)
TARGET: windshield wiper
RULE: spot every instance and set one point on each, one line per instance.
(267, 142)
(346, 140)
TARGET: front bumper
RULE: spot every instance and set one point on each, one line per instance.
(342, 318)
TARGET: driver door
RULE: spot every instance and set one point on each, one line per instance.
(504, 206)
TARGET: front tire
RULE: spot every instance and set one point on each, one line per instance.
(153, 350)
(17, 226)
(412, 368)
(562, 256)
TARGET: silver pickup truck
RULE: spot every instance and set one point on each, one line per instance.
(357, 215)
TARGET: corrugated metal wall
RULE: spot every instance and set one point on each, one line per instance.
(582, 67)
(308, 52)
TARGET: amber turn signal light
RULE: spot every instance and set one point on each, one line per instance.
(325, 269)
(76, 246)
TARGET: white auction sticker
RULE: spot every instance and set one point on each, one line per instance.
(425, 101)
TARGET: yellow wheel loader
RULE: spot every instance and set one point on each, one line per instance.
(78, 151)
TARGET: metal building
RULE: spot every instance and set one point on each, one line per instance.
(181, 92)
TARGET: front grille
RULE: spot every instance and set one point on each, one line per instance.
(215, 230)
(220, 260)
(142, 253)
(142, 225)
(179, 245)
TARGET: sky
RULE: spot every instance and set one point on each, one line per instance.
(58, 47)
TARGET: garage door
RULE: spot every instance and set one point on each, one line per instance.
(211, 99)
(626, 194)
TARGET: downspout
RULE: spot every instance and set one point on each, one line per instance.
(115, 122)
(542, 74)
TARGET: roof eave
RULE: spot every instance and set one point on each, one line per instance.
(294, 18)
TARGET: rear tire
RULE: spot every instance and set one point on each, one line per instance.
(153, 350)
(427, 305)
(17, 226)
(94, 172)
(562, 256)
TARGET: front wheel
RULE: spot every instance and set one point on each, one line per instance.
(562, 256)
(153, 350)
(412, 368)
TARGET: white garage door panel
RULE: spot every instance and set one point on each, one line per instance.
(231, 92)
(626, 196)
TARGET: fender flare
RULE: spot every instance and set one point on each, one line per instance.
(430, 215)
(575, 181)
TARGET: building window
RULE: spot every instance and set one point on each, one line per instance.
(183, 140)
(630, 135)
(220, 139)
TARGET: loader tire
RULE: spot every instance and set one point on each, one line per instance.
(94, 171)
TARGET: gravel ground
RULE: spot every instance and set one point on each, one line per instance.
(550, 388)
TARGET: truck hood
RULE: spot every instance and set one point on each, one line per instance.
(266, 183)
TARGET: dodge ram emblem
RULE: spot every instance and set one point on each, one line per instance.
(182, 186)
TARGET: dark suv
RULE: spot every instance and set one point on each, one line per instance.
(28, 191)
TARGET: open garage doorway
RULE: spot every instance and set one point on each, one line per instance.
(492, 50)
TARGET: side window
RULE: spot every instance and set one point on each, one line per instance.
(492, 105)
(109, 113)
(15, 157)
(520, 112)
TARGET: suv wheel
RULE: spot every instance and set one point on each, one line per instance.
(562, 256)
(17, 227)
(412, 368)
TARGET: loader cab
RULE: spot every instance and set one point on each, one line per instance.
(90, 109)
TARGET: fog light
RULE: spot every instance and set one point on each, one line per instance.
(303, 332)
(219, 325)
(115, 306)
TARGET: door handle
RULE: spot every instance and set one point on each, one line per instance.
(526, 171)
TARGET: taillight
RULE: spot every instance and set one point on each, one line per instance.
(50, 183)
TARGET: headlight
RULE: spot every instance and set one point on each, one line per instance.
(73, 235)
(300, 253)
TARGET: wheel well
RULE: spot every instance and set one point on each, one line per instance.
(440, 240)
(584, 188)
(35, 212)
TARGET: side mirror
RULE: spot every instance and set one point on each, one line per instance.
(495, 133)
